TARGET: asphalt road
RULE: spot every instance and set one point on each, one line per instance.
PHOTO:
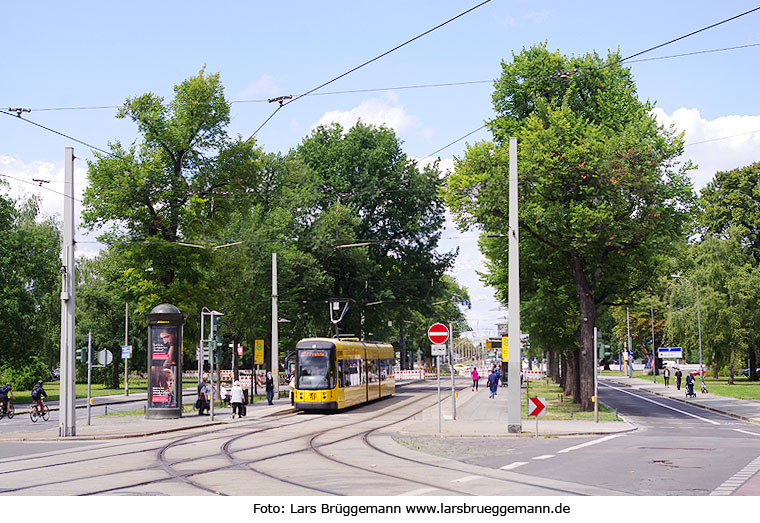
(678, 449)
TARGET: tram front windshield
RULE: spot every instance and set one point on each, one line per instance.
(315, 369)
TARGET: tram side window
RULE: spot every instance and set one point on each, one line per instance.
(372, 371)
(350, 373)
(386, 369)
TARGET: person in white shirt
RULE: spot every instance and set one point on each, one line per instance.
(237, 398)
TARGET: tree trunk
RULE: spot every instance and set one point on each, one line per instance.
(586, 357)
(715, 365)
(572, 382)
(562, 371)
(752, 364)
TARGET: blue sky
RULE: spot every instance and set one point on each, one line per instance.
(92, 54)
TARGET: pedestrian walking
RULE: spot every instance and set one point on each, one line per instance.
(236, 399)
(497, 377)
(224, 394)
(679, 375)
(690, 386)
(493, 384)
(666, 375)
(202, 403)
(270, 388)
(475, 379)
(292, 385)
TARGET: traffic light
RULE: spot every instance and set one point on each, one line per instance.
(604, 350)
(216, 323)
(82, 354)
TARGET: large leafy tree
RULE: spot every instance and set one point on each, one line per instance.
(729, 281)
(375, 198)
(29, 286)
(730, 205)
(601, 196)
(172, 187)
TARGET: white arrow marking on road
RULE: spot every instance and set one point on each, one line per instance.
(588, 443)
(663, 405)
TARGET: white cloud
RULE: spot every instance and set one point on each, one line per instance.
(538, 17)
(265, 87)
(50, 189)
(386, 112)
(715, 145)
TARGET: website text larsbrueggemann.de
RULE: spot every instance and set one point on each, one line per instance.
(341, 509)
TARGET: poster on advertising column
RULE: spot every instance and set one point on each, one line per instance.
(163, 390)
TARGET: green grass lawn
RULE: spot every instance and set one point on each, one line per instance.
(560, 407)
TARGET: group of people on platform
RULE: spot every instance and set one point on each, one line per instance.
(233, 396)
(494, 378)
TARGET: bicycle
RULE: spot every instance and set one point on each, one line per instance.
(10, 413)
(34, 412)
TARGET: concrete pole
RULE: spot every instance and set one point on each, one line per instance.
(630, 356)
(654, 348)
(514, 414)
(275, 351)
(211, 348)
(451, 363)
(596, 377)
(67, 415)
(126, 342)
(89, 376)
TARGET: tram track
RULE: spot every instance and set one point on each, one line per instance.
(276, 453)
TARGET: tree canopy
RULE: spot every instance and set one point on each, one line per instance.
(601, 195)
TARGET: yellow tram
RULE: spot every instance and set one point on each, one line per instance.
(335, 373)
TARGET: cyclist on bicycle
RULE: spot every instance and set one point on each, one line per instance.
(6, 390)
(37, 394)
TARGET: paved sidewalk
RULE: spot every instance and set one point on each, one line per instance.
(477, 415)
(747, 410)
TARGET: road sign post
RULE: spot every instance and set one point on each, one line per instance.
(438, 333)
(536, 407)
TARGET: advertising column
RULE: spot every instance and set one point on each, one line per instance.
(164, 362)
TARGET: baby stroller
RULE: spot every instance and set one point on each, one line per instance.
(690, 387)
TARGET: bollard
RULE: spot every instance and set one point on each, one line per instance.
(571, 411)
(106, 410)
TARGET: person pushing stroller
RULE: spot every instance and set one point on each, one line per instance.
(690, 387)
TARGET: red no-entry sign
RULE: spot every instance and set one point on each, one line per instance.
(438, 333)
(536, 407)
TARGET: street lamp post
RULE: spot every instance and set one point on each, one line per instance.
(699, 329)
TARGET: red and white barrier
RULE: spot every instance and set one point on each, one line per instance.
(534, 374)
(405, 375)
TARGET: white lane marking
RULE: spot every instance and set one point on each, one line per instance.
(545, 456)
(589, 443)
(747, 432)
(663, 405)
(465, 479)
(419, 491)
(514, 465)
